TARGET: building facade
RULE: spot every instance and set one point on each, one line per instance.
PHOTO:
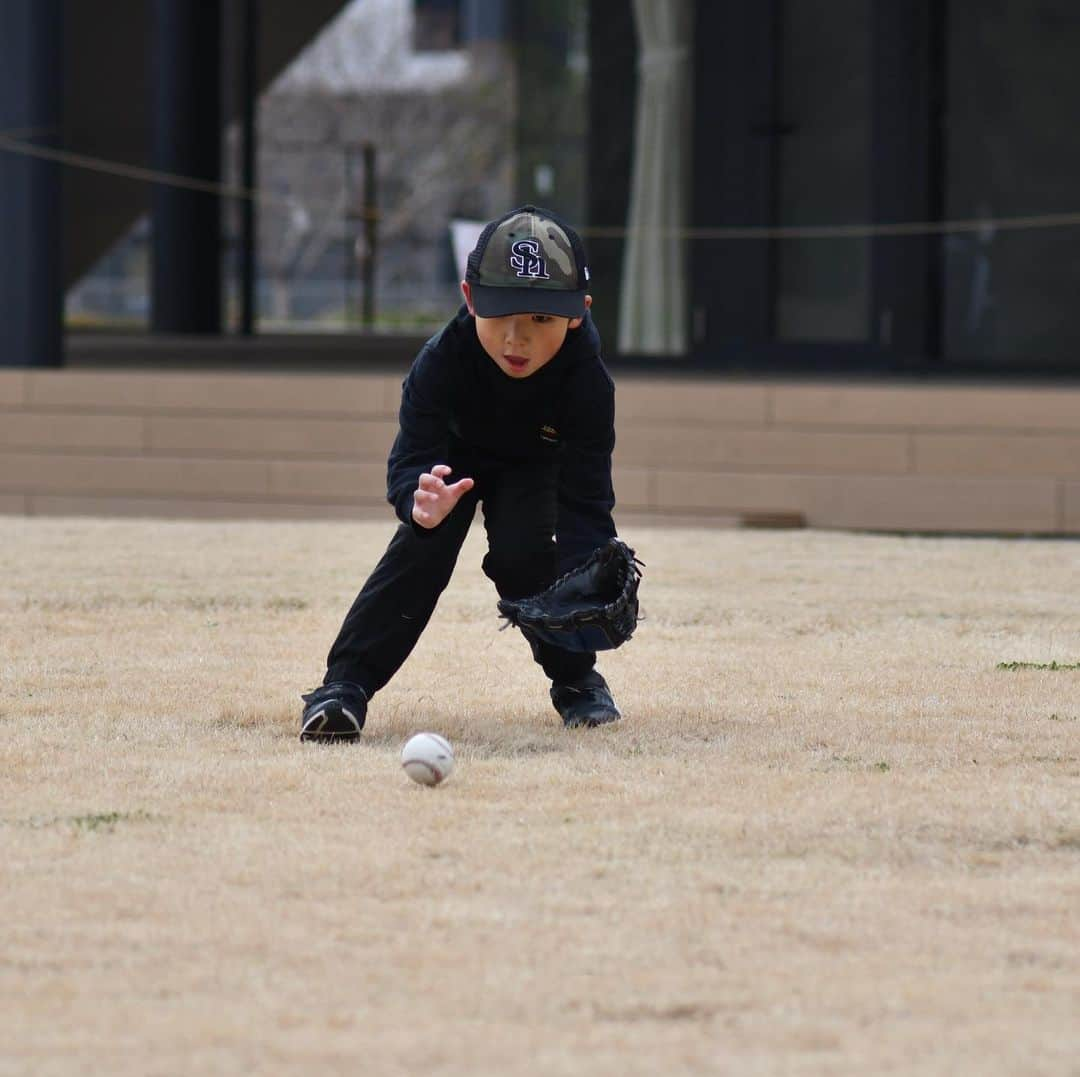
(834, 247)
(764, 184)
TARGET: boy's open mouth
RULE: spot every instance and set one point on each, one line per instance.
(518, 362)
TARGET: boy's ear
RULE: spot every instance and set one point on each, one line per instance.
(575, 323)
(466, 291)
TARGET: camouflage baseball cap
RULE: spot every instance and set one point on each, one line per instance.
(528, 262)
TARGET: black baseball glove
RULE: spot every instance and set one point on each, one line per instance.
(592, 608)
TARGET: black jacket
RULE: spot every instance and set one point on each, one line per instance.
(458, 407)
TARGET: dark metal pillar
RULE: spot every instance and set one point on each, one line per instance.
(248, 154)
(361, 230)
(187, 143)
(371, 235)
(31, 289)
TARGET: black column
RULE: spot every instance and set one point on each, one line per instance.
(31, 291)
(249, 80)
(908, 174)
(187, 142)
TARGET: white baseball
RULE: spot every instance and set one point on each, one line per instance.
(427, 758)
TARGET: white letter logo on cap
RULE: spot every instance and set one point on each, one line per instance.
(526, 259)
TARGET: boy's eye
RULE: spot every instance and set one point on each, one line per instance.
(542, 319)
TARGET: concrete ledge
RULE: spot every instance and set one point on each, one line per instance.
(1070, 508)
(1008, 506)
(885, 502)
(726, 494)
(284, 436)
(12, 388)
(204, 508)
(939, 407)
(34, 429)
(635, 487)
(891, 457)
(997, 454)
(710, 448)
(327, 481)
(698, 401)
(67, 473)
(149, 391)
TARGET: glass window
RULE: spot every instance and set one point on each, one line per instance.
(1011, 150)
(823, 157)
(115, 292)
(388, 133)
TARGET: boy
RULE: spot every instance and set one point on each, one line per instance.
(509, 406)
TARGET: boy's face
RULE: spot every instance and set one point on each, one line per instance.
(521, 344)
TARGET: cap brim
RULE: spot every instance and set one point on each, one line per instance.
(494, 302)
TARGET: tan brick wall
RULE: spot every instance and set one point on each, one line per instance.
(888, 456)
(1070, 508)
(12, 388)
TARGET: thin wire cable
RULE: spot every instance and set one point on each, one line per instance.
(155, 176)
(829, 231)
(858, 231)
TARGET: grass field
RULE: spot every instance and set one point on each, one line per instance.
(837, 832)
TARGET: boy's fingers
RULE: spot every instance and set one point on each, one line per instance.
(423, 511)
(433, 499)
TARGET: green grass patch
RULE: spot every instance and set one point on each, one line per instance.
(1038, 665)
(104, 820)
(279, 605)
(91, 821)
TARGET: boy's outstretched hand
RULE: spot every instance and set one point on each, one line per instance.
(434, 500)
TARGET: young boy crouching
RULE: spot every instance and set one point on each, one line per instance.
(510, 407)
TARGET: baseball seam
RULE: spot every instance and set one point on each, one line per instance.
(432, 769)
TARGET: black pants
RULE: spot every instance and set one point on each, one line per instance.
(399, 597)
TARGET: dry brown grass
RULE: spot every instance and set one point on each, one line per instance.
(831, 836)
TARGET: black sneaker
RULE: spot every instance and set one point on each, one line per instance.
(585, 702)
(334, 713)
